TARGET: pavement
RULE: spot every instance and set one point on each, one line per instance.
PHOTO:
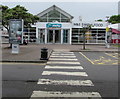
(32, 52)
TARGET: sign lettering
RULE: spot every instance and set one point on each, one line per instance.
(88, 24)
(55, 25)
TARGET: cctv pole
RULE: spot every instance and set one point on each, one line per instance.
(85, 29)
(84, 39)
(107, 36)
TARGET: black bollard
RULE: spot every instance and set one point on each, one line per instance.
(44, 54)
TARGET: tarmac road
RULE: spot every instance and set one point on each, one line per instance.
(20, 80)
(103, 73)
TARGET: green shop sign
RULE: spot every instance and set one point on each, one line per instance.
(53, 25)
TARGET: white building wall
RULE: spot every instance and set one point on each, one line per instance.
(42, 25)
(70, 36)
(45, 36)
(37, 39)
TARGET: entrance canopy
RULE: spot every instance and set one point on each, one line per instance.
(115, 28)
(116, 31)
(54, 14)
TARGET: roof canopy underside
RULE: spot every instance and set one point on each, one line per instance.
(54, 14)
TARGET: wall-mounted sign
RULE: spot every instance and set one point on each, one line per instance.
(53, 25)
(87, 24)
(16, 31)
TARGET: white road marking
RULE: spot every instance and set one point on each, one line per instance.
(52, 62)
(62, 52)
(62, 56)
(63, 67)
(71, 59)
(64, 73)
(66, 82)
(64, 94)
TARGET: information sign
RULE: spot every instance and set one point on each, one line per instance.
(15, 48)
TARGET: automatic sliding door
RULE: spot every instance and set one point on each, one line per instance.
(54, 36)
(50, 36)
(57, 36)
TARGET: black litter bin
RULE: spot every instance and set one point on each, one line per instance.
(44, 54)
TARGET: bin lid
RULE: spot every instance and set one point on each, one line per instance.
(44, 48)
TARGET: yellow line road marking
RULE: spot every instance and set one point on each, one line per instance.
(101, 61)
(86, 57)
(112, 55)
(115, 63)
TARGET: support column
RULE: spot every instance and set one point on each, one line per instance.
(70, 36)
(61, 36)
(37, 39)
(46, 36)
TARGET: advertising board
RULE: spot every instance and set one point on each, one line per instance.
(16, 31)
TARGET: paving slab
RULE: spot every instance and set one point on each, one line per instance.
(32, 52)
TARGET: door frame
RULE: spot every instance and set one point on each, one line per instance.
(53, 41)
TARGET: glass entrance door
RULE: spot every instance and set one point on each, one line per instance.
(54, 36)
(50, 36)
(57, 36)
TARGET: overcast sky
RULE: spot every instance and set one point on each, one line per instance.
(89, 11)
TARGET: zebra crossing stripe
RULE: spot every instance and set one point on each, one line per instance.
(62, 52)
(63, 67)
(62, 56)
(52, 62)
(64, 94)
(71, 59)
(64, 73)
(66, 82)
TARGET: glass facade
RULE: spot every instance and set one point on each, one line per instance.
(41, 35)
(56, 26)
(53, 16)
(66, 35)
(30, 34)
(93, 36)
